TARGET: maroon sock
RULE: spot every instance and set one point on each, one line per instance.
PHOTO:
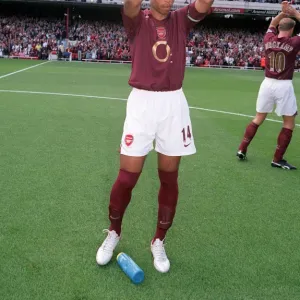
(120, 197)
(167, 202)
(248, 136)
(283, 142)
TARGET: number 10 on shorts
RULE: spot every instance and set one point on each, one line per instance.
(186, 136)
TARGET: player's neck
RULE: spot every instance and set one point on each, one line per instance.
(283, 34)
(156, 15)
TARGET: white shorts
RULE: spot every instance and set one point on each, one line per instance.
(162, 117)
(277, 92)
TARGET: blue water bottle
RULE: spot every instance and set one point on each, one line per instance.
(130, 268)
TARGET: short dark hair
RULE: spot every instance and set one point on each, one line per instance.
(286, 24)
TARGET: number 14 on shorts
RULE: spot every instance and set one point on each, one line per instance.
(186, 136)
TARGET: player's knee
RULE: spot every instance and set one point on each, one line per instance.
(289, 126)
(259, 118)
(289, 122)
(132, 164)
(168, 163)
(127, 180)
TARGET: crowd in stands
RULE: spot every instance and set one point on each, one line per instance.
(269, 1)
(209, 46)
(107, 41)
(21, 36)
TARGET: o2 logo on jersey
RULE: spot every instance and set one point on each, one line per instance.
(162, 35)
(128, 139)
(168, 51)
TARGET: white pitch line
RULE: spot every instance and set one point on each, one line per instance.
(61, 94)
(123, 99)
(22, 70)
(234, 114)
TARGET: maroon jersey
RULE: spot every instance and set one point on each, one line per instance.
(280, 55)
(158, 48)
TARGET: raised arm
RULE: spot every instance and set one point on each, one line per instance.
(132, 17)
(193, 13)
(272, 30)
(297, 15)
(293, 13)
(132, 8)
(275, 21)
(290, 10)
(203, 6)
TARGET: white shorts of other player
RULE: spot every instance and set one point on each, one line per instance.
(162, 117)
(277, 92)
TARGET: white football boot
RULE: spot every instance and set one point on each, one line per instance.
(106, 250)
(160, 259)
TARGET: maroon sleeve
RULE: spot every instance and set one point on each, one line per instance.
(271, 32)
(189, 16)
(132, 25)
(296, 43)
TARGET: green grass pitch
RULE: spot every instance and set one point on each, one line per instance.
(236, 232)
